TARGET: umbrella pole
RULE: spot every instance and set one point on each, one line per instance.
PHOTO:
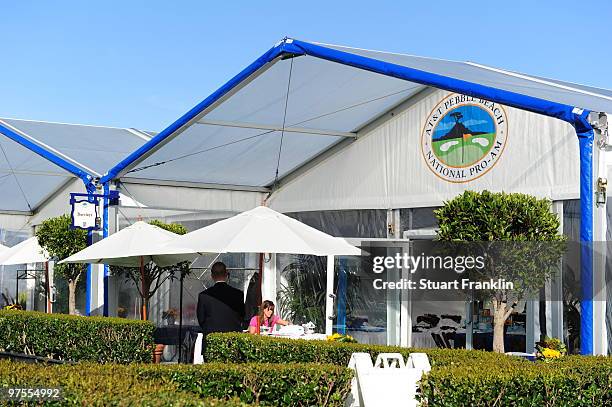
(47, 288)
(17, 289)
(261, 267)
(180, 344)
(142, 286)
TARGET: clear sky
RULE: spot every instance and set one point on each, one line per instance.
(144, 63)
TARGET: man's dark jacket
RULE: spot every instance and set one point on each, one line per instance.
(221, 309)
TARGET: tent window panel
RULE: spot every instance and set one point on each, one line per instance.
(365, 223)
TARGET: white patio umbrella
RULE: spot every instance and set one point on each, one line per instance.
(132, 247)
(28, 251)
(261, 230)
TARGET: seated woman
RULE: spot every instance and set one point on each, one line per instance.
(266, 317)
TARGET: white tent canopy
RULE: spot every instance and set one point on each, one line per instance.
(28, 251)
(261, 230)
(130, 247)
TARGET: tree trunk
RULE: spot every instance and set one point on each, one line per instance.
(72, 297)
(499, 319)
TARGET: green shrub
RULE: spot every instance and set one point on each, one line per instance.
(186, 385)
(102, 385)
(76, 338)
(570, 381)
(287, 384)
(245, 348)
(458, 377)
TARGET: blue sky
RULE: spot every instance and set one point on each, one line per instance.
(474, 118)
(144, 63)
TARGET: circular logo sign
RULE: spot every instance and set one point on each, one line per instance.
(464, 137)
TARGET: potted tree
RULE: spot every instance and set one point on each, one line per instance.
(519, 238)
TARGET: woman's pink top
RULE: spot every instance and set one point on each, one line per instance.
(274, 319)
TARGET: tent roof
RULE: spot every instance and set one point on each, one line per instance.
(27, 178)
(320, 94)
(299, 98)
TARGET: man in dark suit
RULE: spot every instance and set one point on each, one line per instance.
(220, 307)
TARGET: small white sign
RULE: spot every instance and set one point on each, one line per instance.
(84, 214)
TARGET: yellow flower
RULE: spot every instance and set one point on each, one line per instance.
(551, 353)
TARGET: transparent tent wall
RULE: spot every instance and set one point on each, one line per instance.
(30, 292)
(302, 280)
(571, 278)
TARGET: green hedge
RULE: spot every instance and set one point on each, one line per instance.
(138, 384)
(75, 338)
(246, 348)
(571, 381)
(287, 384)
(102, 385)
(459, 377)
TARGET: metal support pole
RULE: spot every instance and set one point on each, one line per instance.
(329, 297)
(89, 278)
(469, 323)
(531, 328)
(341, 297)
(600, 226)
(17, 288)
(180, 338)
(105, 204)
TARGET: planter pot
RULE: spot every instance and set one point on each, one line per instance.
(157, 353)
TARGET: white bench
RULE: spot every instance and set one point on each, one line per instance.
(388, 382)
(198, 358)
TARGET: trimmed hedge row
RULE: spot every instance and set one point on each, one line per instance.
(458, 377)
(571, 381)
(138, 384)
(246, 348)
(101, 385)
(76, 338)
(287, 384)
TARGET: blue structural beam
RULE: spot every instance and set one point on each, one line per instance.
(105, 203)
(88, 278)
(586, 242)
(59, 161)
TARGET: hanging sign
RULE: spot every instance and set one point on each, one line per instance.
(84, 213)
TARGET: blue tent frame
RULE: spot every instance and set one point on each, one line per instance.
(288, 47)
(573, 115)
